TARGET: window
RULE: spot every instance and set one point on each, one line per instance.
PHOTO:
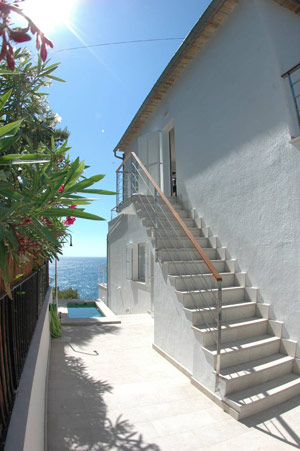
(129, 261)
(137, 262)
(141, 262)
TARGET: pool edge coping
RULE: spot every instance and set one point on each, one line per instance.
(108, 318)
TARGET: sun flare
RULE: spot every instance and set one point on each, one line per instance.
(49, 14)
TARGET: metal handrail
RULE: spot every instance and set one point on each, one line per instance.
(190, 236)
(290, 71)
(293, 88)
(102, 275)
(123, 188)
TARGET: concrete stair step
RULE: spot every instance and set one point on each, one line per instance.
(146, 198)
(189, 254)
(264, 396)
(244, 350)
(160, 211)
(175, 242)
(173, 231)
(244, 375)
(167, 222)
(150, 204)
(234, 330)
(202, 281)
(229, 312)
(198, 267)
(205, 298)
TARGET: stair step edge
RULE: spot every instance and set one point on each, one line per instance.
(258, 393)
(224, 306)
(245, 369)
(230, 325)
(227, 348)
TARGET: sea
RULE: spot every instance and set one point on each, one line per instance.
(79, 273)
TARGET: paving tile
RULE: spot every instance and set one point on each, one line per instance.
(126, 396)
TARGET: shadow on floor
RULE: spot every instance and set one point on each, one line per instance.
(273, 422)
(77, 412)
(85, 334)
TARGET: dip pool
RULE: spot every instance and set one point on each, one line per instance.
(84, 310)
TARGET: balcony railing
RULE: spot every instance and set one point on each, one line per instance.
(102, 275)
(18, 318)
(293, 76)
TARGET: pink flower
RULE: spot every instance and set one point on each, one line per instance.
(25, 221)
(69, 220)
(72, 206)
(62, 187)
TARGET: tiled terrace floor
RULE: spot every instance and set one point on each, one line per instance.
(109, 390)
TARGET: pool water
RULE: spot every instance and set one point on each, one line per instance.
(86, 310)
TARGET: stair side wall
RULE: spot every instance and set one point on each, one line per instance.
(172, 329)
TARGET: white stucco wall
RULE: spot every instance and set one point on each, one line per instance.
(235, 164)
(127, 296)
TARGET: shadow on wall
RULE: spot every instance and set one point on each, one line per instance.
(77, 413)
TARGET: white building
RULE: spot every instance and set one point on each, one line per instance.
(220, 129)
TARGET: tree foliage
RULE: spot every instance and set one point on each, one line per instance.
(11, 35)
(39, 184)
(68, 293)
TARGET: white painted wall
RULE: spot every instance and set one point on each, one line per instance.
(28, 424)
(235, 164)
(126, 296)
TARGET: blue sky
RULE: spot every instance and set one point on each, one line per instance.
(105, 86)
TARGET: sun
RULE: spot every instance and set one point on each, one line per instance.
(49, 14)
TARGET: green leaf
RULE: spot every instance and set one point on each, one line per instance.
(2, 255)
(19, 159)
(12, 239)
(14, 195)
(74, 173)
(63, 212)
(55, 78)
(11, 128)
(87, 182)
(97, 191)
(6, 142)
(9, 72)
(7, 212)
(5, 98)
(1, 232)
(44, 231)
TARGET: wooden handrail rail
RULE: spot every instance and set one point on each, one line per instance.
(178, 218)
(293, 69)
(124, 161)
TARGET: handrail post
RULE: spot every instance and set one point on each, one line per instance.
(219, 334)
(294, 97)
(156, 223)
(131, 177)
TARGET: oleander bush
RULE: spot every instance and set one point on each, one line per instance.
(42, 191)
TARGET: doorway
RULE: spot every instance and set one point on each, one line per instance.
(172, 162)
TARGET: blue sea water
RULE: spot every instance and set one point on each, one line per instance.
(79, 273)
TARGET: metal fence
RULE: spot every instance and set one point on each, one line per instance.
(18, 318)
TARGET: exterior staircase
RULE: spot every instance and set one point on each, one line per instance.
(258, 368)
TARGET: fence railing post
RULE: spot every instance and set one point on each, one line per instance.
(219, 334)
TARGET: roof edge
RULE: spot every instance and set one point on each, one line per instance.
(204, 28)
(213, 7)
